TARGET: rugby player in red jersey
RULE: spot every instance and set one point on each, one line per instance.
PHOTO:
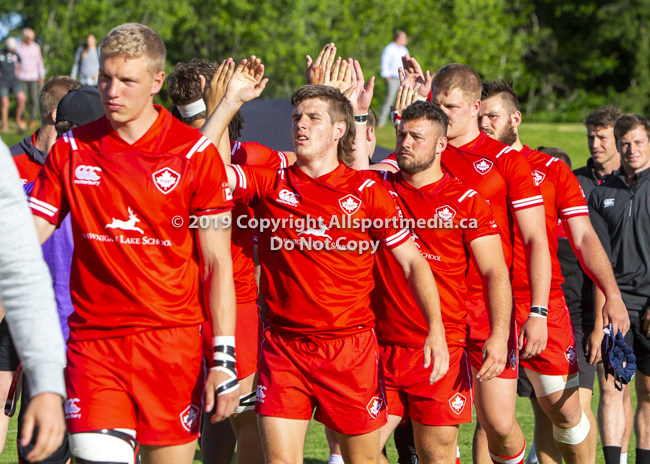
(447, 219)
(553, 372)
(320, 350)
(130, 181)
(504, 178)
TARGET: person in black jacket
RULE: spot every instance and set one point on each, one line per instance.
(621, 217)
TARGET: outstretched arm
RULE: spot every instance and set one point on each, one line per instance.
(423, 287)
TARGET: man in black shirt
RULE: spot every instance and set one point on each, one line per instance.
(9, 60)
(621, 216)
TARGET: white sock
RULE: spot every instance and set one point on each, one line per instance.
(532, 455)
(623, 458)
(336, 459)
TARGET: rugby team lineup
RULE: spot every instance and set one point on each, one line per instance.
(189, 269)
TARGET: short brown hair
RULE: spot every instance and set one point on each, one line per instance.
(64, 126)
(503, 90)
(430, 112)
(339, 109)
(604, 117)
(461, 77)
(372, 118)
(184, 85)
(52, 92)
(556, 153)
(133, 40)
(629, 122)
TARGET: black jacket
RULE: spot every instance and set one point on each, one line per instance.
(621, 216)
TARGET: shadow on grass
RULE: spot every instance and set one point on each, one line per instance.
(314, 461)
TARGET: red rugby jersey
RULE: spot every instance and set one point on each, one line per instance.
(447, 201)
(323, 291)
(28, 167)
(563, 199)
(243, 239)
(133, 269)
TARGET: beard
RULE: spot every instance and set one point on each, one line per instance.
(413, 166)
(508, 135)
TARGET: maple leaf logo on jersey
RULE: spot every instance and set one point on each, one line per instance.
(538, 177)
(166, 180)
(483, 166)
(570, 354)
(445, 213)
(288, 197)
(374, 406)
(350, 204)
(189, 416)
(457, 403)
(513, 360)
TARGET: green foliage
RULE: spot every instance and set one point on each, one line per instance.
(564, 56)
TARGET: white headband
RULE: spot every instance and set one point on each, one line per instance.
(192, 109)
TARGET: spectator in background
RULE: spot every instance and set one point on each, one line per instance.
(86, 62)
(31, 72)
(391, 61)
(9, 63)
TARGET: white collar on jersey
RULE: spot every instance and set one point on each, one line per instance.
(191, 109)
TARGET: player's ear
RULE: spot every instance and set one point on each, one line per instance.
(203, 82)
(516, 118)
(340, 128)
(158, 81)
(441, 145)
(370, 133)
(476, 106)
(54, 115)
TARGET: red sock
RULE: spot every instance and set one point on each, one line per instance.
(518, 459)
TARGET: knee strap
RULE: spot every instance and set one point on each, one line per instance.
(106, 446)
(575, 435)
(545, 384)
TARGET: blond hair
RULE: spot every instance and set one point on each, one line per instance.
(462, 77)
(133, 40)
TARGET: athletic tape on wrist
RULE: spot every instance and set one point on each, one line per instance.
(541, 311)
(224, 361)
(191, 109)
(396, 118)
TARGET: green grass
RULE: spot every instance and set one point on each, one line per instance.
(569, 137)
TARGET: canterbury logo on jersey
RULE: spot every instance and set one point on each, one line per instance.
(287, 197)
(87, 175)
(71, 409)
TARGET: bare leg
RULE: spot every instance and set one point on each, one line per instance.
(249, 445)
(179, 454)
(592, 439)
(545, 448)
(642, 417)
(5, 114)
(611, 411)
(360, 449)
(283, 440)
(436, 444)
(20, 109)
(629, 418)
(495, 401)
(5, 383)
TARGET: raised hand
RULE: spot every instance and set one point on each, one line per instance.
(411, 75)
(341, 75)
(405, 96)
(213, 93)
(247, 81)
(360, 94)
(316, 70)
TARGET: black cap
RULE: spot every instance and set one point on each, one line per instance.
(80, 106)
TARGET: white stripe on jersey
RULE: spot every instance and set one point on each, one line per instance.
(204, 146)
(552, 160)
(284, 161)
(391, 162)
(196, 147)
(396, 237)
(367, 183)
(505, 150)
(469, 194)
(575, 210)
(236, 146)
(73, 144)
(241, 177)
(48, 206)
(538, 199)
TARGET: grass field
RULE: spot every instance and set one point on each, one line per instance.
(569, 137)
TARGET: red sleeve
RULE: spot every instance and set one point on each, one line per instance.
(569, 197)
(522, 192)
(48, 198)
(253, 182)
(390, 160)
(382, 206)
(211, 194)
(256, 154)
(485, 223)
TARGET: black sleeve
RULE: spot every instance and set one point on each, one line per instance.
(599, 224)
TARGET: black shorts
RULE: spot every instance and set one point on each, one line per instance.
(635, 337)
(8, 86)
(8, 357)
(581, 330)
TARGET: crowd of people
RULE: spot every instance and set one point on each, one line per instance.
(378, 298)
